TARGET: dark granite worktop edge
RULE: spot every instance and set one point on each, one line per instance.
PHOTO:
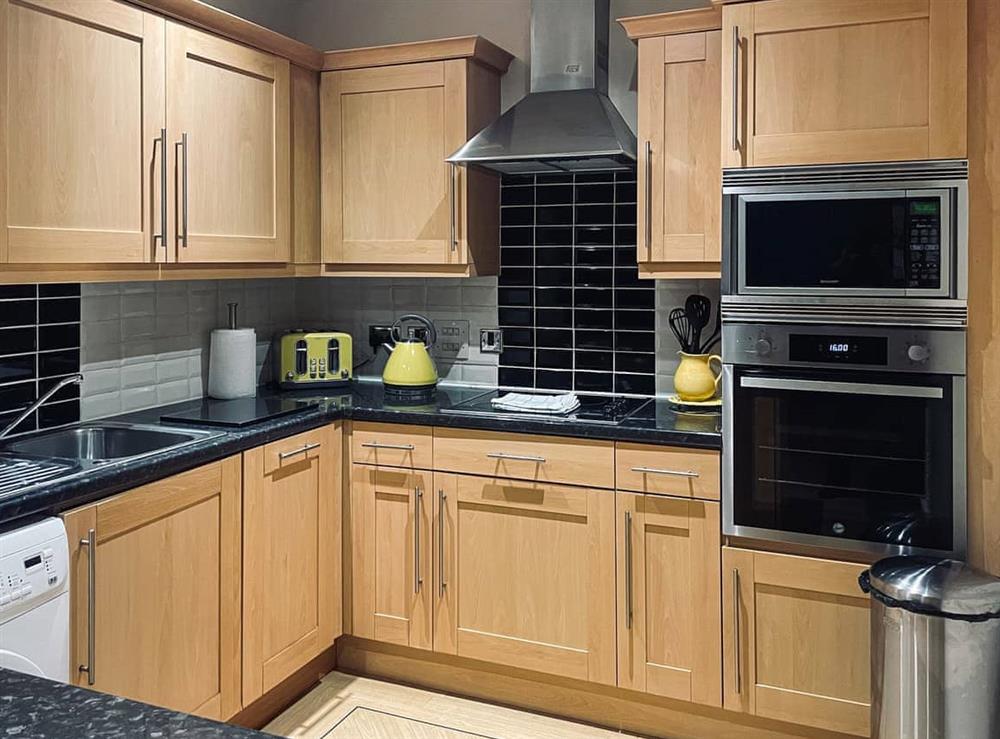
(102, 482)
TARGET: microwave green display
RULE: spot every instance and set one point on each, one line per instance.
(924, 207)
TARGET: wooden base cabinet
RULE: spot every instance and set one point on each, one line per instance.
(796, 640)
(845, 81)
(525, 575)
(669, 603)
(165, 595)
(291, 555)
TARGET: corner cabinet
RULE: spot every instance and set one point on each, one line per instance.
(796, 640)
(291, 555)
(155, 594)
(390, 117)
(679, 168)
(846, 81)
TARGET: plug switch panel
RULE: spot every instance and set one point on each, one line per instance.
(490, 340)
(452, 340)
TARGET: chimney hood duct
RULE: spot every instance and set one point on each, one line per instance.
(567, 122)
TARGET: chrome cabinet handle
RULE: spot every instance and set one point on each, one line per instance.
(657, 471)
(376, 445)
(736, 87)
(296, 452)
(183, 144)
(162, 236)
(417, 580)
(91, 543)
(443, 581)
(649, 196)
(453, 239)
(854, 388)
(628, 568)
(736, 630)
(516, 457)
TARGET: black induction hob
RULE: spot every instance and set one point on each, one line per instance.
(238, 412)
(606, 409)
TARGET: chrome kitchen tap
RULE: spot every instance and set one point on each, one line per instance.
(72, 379)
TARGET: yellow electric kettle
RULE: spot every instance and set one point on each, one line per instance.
(410, 371)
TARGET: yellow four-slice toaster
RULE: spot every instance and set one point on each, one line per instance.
(314, 359)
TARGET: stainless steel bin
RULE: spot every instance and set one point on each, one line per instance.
(935, 649)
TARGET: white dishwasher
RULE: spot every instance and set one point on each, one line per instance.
(34, 600)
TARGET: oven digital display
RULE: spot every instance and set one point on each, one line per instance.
(848, 349)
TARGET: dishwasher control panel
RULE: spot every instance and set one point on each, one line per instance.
(34, 566)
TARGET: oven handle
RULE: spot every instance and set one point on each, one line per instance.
(853, 388)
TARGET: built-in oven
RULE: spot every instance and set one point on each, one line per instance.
(869, 231)
(851, 437)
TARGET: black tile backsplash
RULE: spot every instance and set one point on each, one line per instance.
(39, 344)
(574, 313)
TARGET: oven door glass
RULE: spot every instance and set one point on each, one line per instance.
(865, 243)
(862, 456)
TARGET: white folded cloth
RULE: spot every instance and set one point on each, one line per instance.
(532, 403)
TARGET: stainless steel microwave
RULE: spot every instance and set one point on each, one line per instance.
(864, 231)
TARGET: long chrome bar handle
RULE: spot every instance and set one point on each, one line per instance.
(736, 631)
(516, 457)
(376, 445)
(183, 145)
(736, 88)
(649, 197)
(417, 499)
(453, 237)
(628, 568)
(162, 236)
(295, 452)
(442, 580)
(91, 543)
(659, 471)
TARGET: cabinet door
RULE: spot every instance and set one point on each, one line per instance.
(529, 575)
(230, 104)
(291, 555)
(166, 592)
(387, 190)
(391, 549)
(669, 604)
(796, 640)
(81, 108)
(680, 179)
(845, 81)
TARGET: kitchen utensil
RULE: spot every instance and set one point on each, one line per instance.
(679, 324)
(232, 366)
(314, 359)
(410, 369)
(711, 340)
(699, 311)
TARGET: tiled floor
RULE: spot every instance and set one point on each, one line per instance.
(348, 707)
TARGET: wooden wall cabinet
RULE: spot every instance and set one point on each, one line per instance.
(679, 169)
(391, 204)
(846, 81)
(292, 582)
(525, 575)
(166, 622)
(669, 617)
(796, 640)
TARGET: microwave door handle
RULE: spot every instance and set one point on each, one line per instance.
(850, 388)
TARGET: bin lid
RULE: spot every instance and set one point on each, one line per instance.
(941, 586)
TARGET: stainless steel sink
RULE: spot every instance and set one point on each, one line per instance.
(105, 442)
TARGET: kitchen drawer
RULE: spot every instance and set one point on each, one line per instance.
(293, 450)
(392, 445)
(521, 456)
(687, 473)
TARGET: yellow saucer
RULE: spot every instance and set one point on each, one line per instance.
(694, 404)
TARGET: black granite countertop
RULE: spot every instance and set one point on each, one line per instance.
(38, 708)
(655, 423)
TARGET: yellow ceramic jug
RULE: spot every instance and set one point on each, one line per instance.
(694, 379)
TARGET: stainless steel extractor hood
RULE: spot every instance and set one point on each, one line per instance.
(567, 122)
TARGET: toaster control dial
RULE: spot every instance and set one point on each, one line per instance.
(289, 376)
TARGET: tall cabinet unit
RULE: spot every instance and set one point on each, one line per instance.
(390, 117)
(81, 114)
(291, 555)
(155, 593)
(848, 81)
(679, 168)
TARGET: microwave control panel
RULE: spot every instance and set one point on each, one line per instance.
(924, 248)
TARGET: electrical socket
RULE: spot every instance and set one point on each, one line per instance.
(490, 340)
(452, 340)
(378, 334)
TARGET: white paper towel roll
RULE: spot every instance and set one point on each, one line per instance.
(232, 363)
